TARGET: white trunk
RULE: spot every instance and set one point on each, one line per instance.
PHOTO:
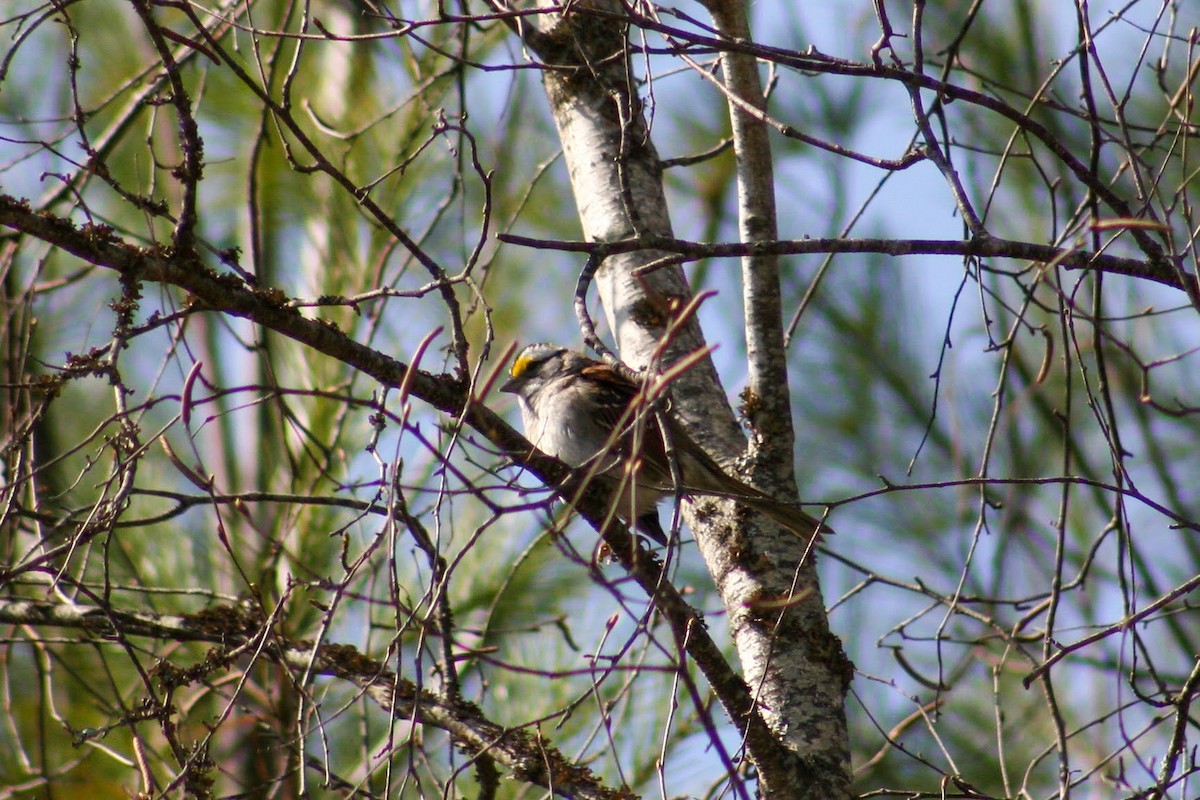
(794, 666)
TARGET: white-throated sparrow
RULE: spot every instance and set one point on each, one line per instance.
(584, 413)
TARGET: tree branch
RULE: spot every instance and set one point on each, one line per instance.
(238, 634)
(269, 307)
(992, 247)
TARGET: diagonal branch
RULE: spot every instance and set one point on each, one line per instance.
(269, 307)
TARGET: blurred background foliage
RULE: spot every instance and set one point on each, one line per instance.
(945, 380)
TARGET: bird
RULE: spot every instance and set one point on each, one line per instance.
(587, 414)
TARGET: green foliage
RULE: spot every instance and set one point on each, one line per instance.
(1008, 444)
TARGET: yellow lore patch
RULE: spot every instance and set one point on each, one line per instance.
(520, 366)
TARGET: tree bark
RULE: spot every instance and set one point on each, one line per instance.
(795, 667)
(792, 655)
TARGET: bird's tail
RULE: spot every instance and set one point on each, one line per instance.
(789, 516)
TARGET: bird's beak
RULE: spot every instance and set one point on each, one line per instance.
(510, 386)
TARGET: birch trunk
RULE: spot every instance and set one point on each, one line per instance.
(795, 668)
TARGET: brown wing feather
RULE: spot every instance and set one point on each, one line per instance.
(624, 406)
(624, 409)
